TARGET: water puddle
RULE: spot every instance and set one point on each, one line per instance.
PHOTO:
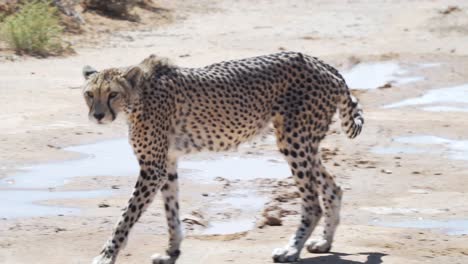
(25, 203)
(396, 150)
(21, 193)
(229, 227)
(108, 158)
(245, 202)
(445, 109)
(449, 227)
(450, 99)
(116, 158)
(402, 211)
(453, 149)
(236, 167)
(373, 75)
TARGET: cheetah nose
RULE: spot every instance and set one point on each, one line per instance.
(99, 116)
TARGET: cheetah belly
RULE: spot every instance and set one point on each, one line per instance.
(218, 133)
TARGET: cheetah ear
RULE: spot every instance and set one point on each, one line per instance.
(134, 75)
(88, 71)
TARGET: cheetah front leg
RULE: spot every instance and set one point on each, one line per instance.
(149, 181)
(170, 193)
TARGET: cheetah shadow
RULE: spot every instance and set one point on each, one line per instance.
(336, 258)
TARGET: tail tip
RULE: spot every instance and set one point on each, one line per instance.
(356, 128)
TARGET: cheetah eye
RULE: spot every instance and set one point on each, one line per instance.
(113, 95)
(89, 94)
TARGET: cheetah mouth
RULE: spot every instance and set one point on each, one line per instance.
(103, 121)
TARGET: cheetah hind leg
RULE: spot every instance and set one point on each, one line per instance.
(103, 259)
(163, 259)
(288, 140)
(331, 202)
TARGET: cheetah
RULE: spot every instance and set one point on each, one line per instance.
(172, 111)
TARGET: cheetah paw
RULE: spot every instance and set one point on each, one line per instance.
(318, 246)
(283, 255)
(103, 259)
(162, 259)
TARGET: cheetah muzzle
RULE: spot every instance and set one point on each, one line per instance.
(172, 111)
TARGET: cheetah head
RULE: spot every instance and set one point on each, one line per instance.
(109, 92)
(114, 90)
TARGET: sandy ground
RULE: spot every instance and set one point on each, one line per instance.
(43, 112)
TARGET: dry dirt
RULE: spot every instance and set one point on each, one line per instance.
(43, 112)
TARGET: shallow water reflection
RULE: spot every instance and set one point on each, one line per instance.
(450, 99)
(374, 75)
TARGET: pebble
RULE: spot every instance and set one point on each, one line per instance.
(272, 221)
(103, 205)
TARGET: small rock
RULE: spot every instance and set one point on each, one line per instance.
(115, 187)
(310, 38)
(103, 205)
(271, 216)
(284, 183)
(362, 162)
(449, 10)
(352, 61)
(194, 220)
(285, 197)
(385, 86)
(220, 179)
(386, 171)
(205, 194)
(270, 220)
(58, 229)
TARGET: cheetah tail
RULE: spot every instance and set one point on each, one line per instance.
(350, 115)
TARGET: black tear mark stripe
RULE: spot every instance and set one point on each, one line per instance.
(91, 109)
(110, 108)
